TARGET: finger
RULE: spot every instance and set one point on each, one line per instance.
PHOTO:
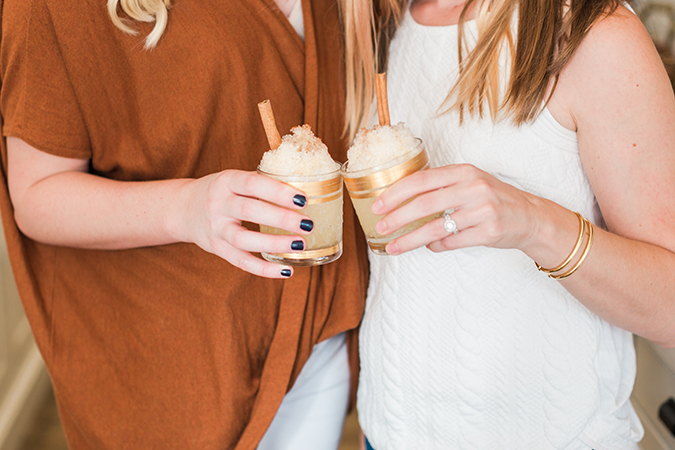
(425, 234)
(256, 266)
(257, 211)
(465, 223)
(414, 185)
(252, 241)
(468, 237)
(251, 184)
(423, 206)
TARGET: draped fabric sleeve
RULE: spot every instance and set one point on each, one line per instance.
(37, 99)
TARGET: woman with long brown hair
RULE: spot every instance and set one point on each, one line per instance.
(550, 130)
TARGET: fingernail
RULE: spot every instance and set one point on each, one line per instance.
(381, 227)
(392, 248)
(286, 273)
(300, 200)
(297, 245)
(306, 225)
(377, 206)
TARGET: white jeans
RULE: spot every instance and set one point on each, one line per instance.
(312, 413)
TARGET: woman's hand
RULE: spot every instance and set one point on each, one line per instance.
(616, 95)
(487, 211)
(219, 203)
(56, 201)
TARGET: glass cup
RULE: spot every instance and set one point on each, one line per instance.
(365, 186)
(324, 207)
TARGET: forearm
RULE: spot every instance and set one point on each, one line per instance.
(83, 210)
(624, 281)
(628, 283)
(56, 201)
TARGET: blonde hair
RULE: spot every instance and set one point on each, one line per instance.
(548, 33)
(143, 11)
(366, 44)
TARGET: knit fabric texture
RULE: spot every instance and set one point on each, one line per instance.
(474, 348)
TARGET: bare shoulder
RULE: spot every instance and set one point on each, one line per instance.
(618, 93)
(615, 73)
(617, 24)
(616, 54)
(619, 38)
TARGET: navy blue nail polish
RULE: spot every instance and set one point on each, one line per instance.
(297, 245)
(300, 200)
(286, 273)
(306, 225)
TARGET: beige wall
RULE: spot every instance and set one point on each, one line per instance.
(654, 384)
(659, 18)
(23, 377)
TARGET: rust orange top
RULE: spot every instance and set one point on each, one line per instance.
(170, 347)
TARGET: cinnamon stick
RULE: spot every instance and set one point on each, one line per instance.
(382, 101)
(267, 116)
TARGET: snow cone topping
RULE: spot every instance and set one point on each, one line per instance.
(300, 153)
(379, 145)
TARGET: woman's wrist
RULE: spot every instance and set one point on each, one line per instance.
(180, 211)
(555, 237)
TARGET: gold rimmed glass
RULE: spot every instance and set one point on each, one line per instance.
(324, 207)
(365, 186)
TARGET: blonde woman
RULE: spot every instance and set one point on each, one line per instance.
(132, 139)
(506, 323)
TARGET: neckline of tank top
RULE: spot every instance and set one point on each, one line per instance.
(568, 136)
(444, 28)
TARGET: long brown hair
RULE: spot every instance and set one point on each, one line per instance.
(548, 33)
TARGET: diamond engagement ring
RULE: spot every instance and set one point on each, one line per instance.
(449, 225)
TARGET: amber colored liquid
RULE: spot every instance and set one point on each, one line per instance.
(327, 218)
(368, 219)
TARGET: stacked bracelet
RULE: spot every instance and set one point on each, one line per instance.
(584, 224)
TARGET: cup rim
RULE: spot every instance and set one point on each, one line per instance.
(419, 147)
(326, 176)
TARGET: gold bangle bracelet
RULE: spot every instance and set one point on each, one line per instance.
(587, 249)
(577, 246)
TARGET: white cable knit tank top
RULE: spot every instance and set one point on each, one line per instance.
(474, 348)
